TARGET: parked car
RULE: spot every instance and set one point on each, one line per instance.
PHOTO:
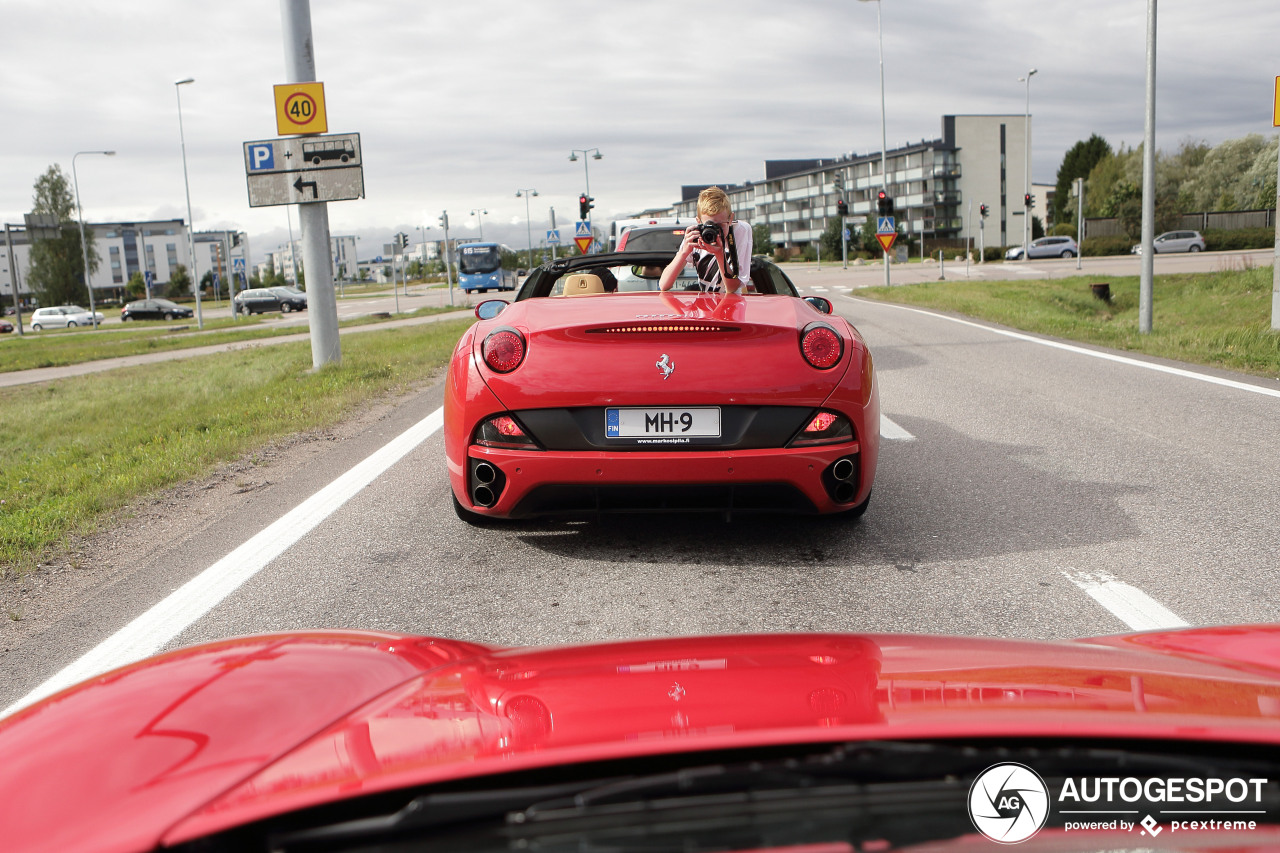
(63, 317)
(153, 309)
(1175, 241)
(1046, 247)
(5, 327)
(258, 300)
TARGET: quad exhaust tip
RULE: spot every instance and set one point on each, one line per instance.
(842, 469)
(482, 496)
(485, 473)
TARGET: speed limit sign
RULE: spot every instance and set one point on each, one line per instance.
(300, 108)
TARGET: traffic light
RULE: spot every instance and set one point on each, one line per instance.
(584, 206)
(842, 207)
(982, 209)
(838, 180)
(882, 203)
(1028, 201)
(444, 220)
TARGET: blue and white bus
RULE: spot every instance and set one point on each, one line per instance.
(480, 268)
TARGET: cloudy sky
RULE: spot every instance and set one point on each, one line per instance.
(460, 104)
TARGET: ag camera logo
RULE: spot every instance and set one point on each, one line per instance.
(1008, 803)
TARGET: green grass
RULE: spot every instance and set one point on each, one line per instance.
(58, 347)
(77, 450)
(1222, 319)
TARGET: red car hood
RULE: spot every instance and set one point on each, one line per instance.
(214, 736)
(724, 348)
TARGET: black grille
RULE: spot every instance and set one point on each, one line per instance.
(615, 499)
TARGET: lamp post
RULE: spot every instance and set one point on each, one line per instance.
(191, 226)
(1026, 138)
(528, 228)
(84, 247)
(479, 215)
(586, 174)
(884, 137)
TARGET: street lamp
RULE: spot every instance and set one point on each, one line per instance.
(1026, 138)
(84, 247)
(191, 226)
(884, 137)
(527, 226)
(595, 155)
(479, 215)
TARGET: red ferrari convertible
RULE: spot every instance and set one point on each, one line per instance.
(594, 393)
(359, 741)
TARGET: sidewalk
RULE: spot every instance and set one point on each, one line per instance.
(45, 374)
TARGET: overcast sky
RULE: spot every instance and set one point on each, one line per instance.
(459, 104)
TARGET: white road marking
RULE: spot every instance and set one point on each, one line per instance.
(145, 635)
(1127, 603)
(890, 430)
(1119, 359)
(815, 287)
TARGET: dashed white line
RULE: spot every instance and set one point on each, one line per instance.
(1127, 603)
(890, 430)
(145, 635)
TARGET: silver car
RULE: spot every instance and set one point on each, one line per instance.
(1175, 241)
(1046, 247)
(62, 317)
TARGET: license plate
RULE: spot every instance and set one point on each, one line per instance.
(662, 422)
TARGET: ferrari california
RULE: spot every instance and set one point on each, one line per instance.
(594, 392)
(839, 743)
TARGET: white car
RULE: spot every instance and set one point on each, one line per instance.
(1175, 241)
(1046, 247)
(62, 317)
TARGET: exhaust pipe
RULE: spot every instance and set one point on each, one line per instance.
(485, 473)
(842, 469)
(482, 496)
(843, 492)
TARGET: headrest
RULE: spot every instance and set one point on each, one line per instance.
(581, 284)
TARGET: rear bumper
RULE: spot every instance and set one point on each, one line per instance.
(775, 480)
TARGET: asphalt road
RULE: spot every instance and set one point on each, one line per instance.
(1023, 489)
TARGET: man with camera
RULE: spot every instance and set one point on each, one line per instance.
(719, 246)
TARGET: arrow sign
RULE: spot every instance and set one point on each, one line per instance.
(886, 240)
(299, 184)
(584, 243)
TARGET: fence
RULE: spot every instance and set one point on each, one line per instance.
(1225, 220)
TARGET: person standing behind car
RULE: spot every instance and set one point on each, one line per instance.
(718, 245)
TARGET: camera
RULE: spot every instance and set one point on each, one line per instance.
(709, 232)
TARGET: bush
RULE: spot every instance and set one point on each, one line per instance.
(1063, 229)
(1245, 238)
(993, 253)
(1099, 246)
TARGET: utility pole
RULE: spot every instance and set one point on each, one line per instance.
(448, 266)
(553, 227)
(322, 306)
(1146, 284)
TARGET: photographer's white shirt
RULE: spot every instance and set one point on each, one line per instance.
(709, 271)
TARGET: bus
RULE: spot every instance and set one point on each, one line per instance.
(480, 268)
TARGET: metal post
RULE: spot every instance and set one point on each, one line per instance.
(1026, 139)
(479, 215)
(322, 307)
(1275, 264)
(553, 227)
(84, 247)
(293, 252)
(1146, 283)
(528, 227)
(13, 278)
(448, 263)
(586, 176)
(968, 237)
(884, 136)
(1079, 221)
(191, 225)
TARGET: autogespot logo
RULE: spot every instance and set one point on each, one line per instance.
(1008, 803)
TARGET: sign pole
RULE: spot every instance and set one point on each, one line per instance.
(1275, 264)
(322, 306)
(13, 278)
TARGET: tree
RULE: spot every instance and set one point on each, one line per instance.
(136, 286)
(1078, 162)
(831, 247)
(179, 281)
(761, 240)
(1232, 175)
(57, 275)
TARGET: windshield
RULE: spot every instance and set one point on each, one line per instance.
(478, 259)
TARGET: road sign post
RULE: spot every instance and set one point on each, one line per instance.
(303, 171)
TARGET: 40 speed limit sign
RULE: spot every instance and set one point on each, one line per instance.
(300, 109)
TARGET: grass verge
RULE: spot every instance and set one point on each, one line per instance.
(58, 347)
(76, 450)
(1221, 319)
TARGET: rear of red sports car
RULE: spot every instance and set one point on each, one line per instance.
(645, 401)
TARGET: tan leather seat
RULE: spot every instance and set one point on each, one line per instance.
(582, 284)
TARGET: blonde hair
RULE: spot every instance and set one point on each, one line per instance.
(713, 200)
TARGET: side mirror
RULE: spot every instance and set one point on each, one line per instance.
(820, 303)
(490, 308)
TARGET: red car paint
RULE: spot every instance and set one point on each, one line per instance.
(599, 351)
(211, 737)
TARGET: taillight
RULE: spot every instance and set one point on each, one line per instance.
(821, 346)
(503, 350)
(825, 427)
(504, 431)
